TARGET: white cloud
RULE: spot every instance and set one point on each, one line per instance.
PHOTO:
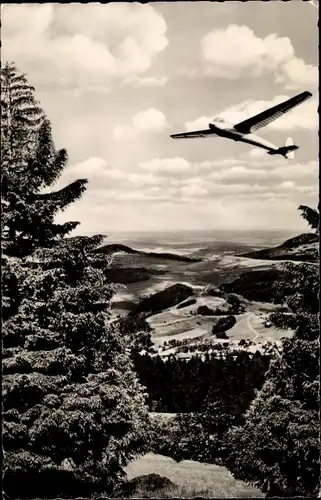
(91, 165)
(232, 50)
(95, 169)
(255, 194)
(149, 120)
(145, 81)
(220, 163)
(114, 173)
(307, 173)
(143, 179)
(166, 166)
(291, 177)
(256, 153)
(121, 131)
(236, 51)
(198, 124)
(237, 173)
(292, 187)
(193, 191)
(296, 73)
(82, 45)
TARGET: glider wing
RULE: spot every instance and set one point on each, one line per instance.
(194, 135)
(269, 115)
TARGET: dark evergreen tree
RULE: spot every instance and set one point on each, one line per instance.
(29, 163)
(137, 331)
(278, 448)
(312, 217)
(74, 412)
(21, 115)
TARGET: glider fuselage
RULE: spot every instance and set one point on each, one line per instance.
(231, 133)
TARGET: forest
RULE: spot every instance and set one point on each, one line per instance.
(183, 386)
(77, 395)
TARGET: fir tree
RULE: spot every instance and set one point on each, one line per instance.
(21, 115)
(30, 163)
(312, 217)
(278, 448)
(73, 410)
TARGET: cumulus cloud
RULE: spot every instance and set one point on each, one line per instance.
(92, 168)
(294, 176)
(198, 124)
(166, 166)
(238, 174)
(178, 181)
(255, 153)
(193, 191)
(237, 178)
(98, 172)
(296, 73)
(82, 44)
(149, 120)
(219, 163)
(246, 188)
(143, 179)
(236, 51)
(145, 81)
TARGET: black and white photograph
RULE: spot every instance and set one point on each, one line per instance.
(160, 295)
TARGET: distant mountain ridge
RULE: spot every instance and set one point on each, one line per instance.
(118, 247)
(304, 248)
(224, 247)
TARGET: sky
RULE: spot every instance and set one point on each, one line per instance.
(116, 80)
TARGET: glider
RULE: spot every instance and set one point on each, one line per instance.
(243, 131)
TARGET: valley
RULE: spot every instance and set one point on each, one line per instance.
(173, 293)
(183, 324)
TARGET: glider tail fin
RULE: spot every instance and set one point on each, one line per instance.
(287, 150)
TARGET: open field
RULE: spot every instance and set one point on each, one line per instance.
(192, 479)
(183, 323)
(213, 270)
(264, 333)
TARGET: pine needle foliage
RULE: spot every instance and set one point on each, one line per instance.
(30, 164)
(278, 448)
(74, 412)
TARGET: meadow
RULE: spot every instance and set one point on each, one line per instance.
(183, 323)
(191, 478)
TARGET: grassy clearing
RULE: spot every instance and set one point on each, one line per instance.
(179, 324)
(271, 334)
(192, 479)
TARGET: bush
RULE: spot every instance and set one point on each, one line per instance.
(204, 311)
(188, 302)
(223, 325)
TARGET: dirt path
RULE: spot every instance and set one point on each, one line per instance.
(251, 327)
(243, 327)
